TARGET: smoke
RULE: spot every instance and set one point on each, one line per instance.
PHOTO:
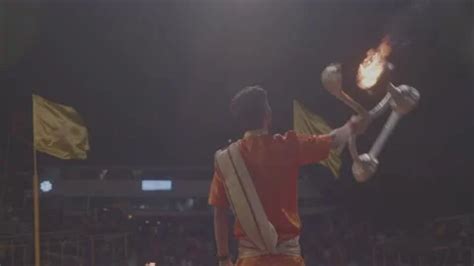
(405, 27)
(443, 25)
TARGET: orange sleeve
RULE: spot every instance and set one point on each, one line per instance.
(217, 193)
(313, 148)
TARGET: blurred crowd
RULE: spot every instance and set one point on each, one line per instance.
(331, 239)
(327, 240)
(177, 241)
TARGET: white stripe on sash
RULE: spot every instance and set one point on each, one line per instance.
(243, 196)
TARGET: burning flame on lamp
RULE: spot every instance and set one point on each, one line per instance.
(373, 65)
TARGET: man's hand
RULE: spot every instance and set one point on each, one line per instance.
(221, 233)
(227, 262)
(359, 124)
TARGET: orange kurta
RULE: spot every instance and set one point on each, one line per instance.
(271, 260)
(274, 162)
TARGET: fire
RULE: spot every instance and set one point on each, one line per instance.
(373, 65)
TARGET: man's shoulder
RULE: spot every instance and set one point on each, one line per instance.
(220, 151)
(225, 148)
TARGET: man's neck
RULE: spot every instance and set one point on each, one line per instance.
(256, 132)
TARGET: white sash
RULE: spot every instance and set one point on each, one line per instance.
(289, 247)
(244, 199)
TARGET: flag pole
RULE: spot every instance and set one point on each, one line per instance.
(5, 166)
(36, 205)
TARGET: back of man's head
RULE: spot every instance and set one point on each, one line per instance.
(250, 107)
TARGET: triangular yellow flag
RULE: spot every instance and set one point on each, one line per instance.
(59, 130)
(305, 122)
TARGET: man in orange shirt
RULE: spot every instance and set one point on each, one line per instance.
(257, 178)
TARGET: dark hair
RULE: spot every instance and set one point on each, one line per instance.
(249, 107)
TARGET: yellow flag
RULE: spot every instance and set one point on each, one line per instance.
(59, 130)
(305, 122)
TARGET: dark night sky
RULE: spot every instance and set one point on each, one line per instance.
(153, 79)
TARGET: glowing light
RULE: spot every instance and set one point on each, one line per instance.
(157, 185)
(46, 186)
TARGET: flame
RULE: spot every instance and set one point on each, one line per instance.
(373, 65)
